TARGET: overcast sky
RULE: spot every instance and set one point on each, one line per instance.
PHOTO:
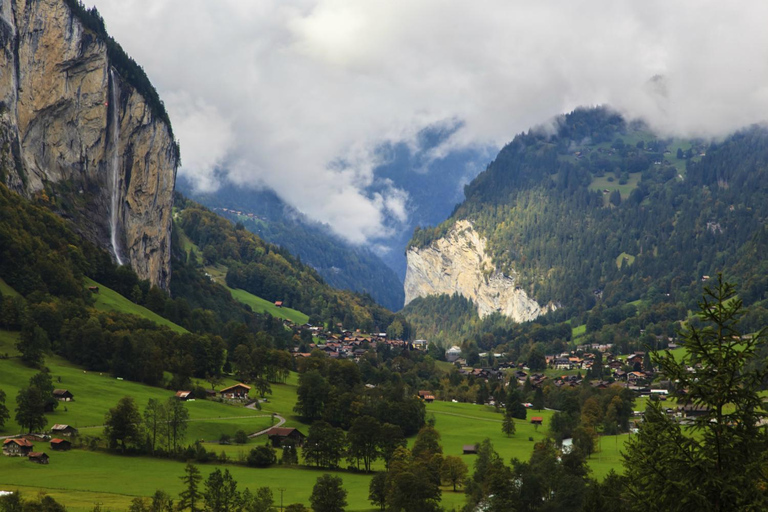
(297, 94)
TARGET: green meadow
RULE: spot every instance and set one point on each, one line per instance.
(109, 300)
(260, 305)
(81, 478)
(116, 480)
(95, 393)
(6, 289)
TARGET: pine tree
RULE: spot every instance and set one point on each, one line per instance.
(508, 425)
(718, 464)
(190, 497)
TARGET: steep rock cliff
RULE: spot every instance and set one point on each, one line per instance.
(69, 122)
(458, 263)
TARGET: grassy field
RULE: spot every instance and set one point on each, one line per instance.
(624, 259)
(6, 289)
(603, 183)
(110, 300)
(260, 305)
(95, 393)
(579, 330)
(80, 478)
(115, 480)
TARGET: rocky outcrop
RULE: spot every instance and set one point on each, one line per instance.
(60, 95)
(458, 263)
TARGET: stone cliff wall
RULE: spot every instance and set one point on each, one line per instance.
(55, 89)
(458, 263)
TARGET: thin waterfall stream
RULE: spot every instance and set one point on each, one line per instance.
(114, 166)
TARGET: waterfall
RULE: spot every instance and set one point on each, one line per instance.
(114, 166)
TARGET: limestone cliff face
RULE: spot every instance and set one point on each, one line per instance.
(68, 122)
(458, 263)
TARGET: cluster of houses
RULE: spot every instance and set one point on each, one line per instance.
(240, 213)
(23, 446)
(349, 345)
(630, 369)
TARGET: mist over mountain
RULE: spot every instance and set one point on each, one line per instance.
(341, 264)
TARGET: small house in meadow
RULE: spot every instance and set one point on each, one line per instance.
(63, 395)
(60, 445)
(183, 395)
(239, 390)
(16, 447)
(39, 457)
(63, 430)
(537, 420)
(279, 434)
(469, 449)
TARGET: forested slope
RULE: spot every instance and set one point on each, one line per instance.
(340, 264)
(271, 272)
(603, 210)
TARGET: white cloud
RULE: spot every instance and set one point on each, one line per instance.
(297, 94)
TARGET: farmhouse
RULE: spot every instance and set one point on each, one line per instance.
(279, 434)
(469, 449)
(183, 395)
(63, 395)
(39, 457)
(16, 447)
(692, 411)
(537, 420)
(278, 303)
(239, 390)
(64, 430)
(60, 445)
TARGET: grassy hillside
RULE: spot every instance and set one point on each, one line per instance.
(260, 305)
(110, 300)
(95, 393)
(114, 479)
(218, 274)
(6, 289)
(83, 477)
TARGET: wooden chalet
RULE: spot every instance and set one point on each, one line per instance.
(64, 430)
(237, 391)
(183, 395)
(16, 447)
(692, 411)
(279, 434)
(469, 449)
(63, 395)
(60, 445)
(278, 303)
(537, 420)
(39, 457)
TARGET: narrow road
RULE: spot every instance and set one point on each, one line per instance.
(280, 421)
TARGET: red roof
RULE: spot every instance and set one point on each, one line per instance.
(20, 442)
(58, 441)
(537, 418)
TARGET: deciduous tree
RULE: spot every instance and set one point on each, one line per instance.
(328, 494)
(122, 424)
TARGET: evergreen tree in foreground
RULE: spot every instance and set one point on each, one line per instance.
(718, 463)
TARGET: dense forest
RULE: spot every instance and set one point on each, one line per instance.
(271, 272)
(603, 213)
(340, 264)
